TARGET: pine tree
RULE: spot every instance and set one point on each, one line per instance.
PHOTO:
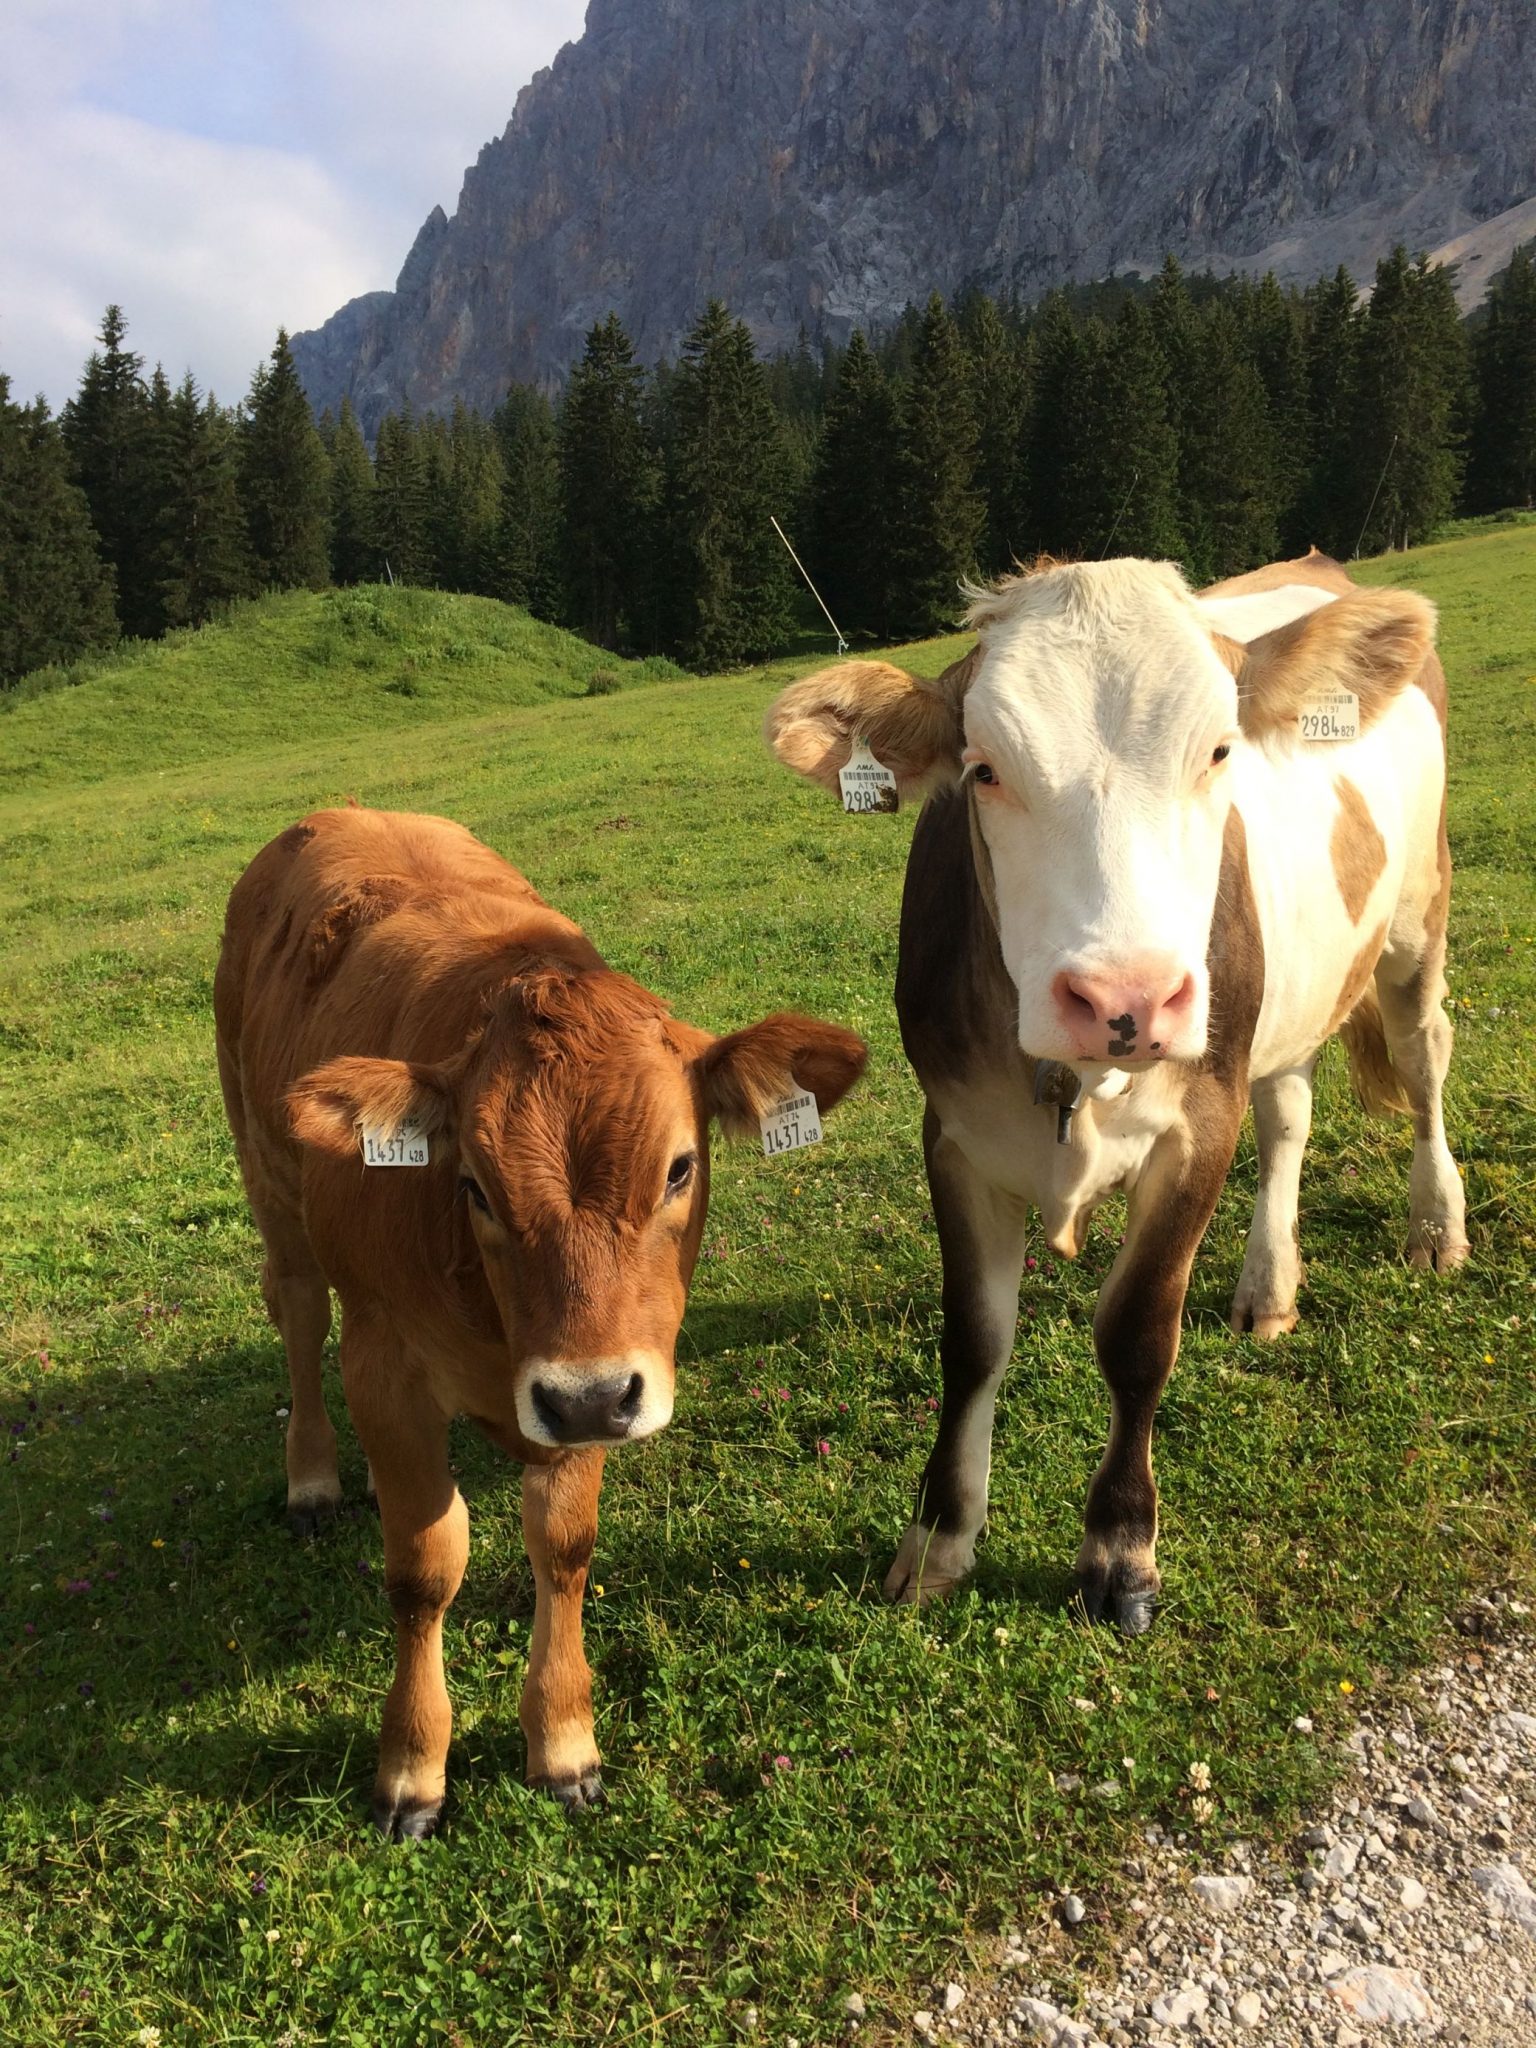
(1502, 469)
(1058, 400)
(1227, 458)
(729, 596)
(1273, 325)
(55, 590)
(284, 484)
(853, 497)
(1409, 390)
(354, 553)
(402, 544)
(1121, 484)
(466, 488)
(106, 428)
(1326, 516)
(999, 380)
(200, 555)
(940, 512)
(608, 489)
(528, 527)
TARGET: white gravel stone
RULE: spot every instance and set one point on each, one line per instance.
(1507, 1895)
(1073, 1911)
(1377, 1993)
(1341, 1858)
(1411, 1895)
(1249, 2009)
(954, 1997)
(1179, 2008)
(1421, 1811)
(1221, 1894)
(1516, 1727)
(854, 2005)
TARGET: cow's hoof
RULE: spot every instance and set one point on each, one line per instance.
(575, 1790)
(1120, 1595)
(1248, 1322)
(307, 1518)
(1432, 1255)
(928, 1565)
(406, 1820)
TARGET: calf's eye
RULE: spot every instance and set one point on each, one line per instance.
(1219, 754)
(983, 774)
(680, 1172)
(468, 1185)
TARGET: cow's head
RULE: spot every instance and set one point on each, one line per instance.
(576, 1122)
(1096, 723)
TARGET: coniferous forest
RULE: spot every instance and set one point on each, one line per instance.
(1215, 422)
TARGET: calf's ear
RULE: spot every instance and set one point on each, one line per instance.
(331, 1107)
(1372, 643)
(748, 1071)
(914, 727)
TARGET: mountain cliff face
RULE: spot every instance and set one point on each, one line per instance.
(818, 163)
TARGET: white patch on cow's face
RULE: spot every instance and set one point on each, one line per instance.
(1097, 730)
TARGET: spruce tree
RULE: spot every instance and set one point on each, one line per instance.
(1059, 398)
(528, 526)
(55, 590)
(284, 481)
(402, 541)
(469, 515)
(200, 555)
(1502, 468)
(940, 512)
(1326, 516)
(998, 368)
(106, 428)
(1121, 485)
(1409, 389)
(1273, 324)
(729, 596)
(354, 551)
(853, 497)
(1227, 485)
(608, 491)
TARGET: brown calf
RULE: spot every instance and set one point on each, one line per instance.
(387, 979)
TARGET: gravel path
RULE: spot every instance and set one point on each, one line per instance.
(1403, 1913)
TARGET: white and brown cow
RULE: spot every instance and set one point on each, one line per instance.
(1137, 898)
(388, 979)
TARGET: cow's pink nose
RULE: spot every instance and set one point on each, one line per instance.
(1133, 1011)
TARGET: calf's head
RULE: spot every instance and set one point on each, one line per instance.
(573, 1128)
(1095, 726)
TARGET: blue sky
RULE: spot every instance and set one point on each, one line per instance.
(221, 168)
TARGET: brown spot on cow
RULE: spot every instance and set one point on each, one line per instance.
(1358, 851)
(367, 903)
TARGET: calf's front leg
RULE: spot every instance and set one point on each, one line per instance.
(426, 1547)
(981, 1237)
(1136, 1331)
(560, 1529)
(1265, 1302)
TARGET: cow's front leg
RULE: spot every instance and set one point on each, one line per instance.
(560, 1529)
(981, 1237)
(426, 1546)
(1136, 1335)
(1265, 1302)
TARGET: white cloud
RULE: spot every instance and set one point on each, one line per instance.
(223, 167)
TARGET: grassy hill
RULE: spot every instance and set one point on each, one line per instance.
(810, 1794)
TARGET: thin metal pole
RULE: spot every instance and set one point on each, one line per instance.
(1135, 479)
(1360, 536)
(842, 644)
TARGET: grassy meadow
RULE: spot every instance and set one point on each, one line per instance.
(809, 1793)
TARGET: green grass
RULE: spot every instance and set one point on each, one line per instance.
(190, 1699)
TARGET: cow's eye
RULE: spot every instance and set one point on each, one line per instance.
(1219, 754)
(468, 1185)
(680, 1172)
(984, 774)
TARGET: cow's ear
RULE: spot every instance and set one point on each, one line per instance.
(914, 727)
(748, 1071)
(1372, 643)
(332, 1107)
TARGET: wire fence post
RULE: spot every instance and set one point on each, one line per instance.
(842, 644)
(1360, 536)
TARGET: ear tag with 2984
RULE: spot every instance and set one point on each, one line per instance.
(866, 784)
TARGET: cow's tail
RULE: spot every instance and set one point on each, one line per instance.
(1377, 1082)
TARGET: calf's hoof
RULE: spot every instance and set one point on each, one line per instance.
(1125, 1594)
(928, 1565)
(1433, 1252)
(402, 1819)
(1251, 1322)
(306, 1518)
(575, 1790)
